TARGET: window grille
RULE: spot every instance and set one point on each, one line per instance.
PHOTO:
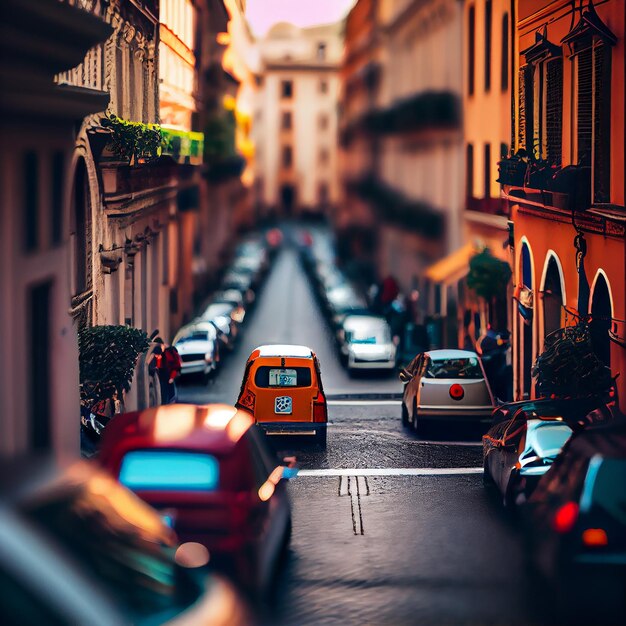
(584, 105)
(525, 117)
(554, 110)
(601, 123)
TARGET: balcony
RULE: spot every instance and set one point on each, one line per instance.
(487, 206)
(535, 180)
(183, 146)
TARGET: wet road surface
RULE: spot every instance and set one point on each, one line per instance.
(387, 529)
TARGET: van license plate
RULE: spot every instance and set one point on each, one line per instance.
(283, 405)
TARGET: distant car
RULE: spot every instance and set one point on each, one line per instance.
(221, 315)
(234, 297)
(445, 386)
(197, 344)
(210, 471)
(78, 548)
(282, 389)
(342, 301)
(521, 445)
(366, 343)
(576, 525)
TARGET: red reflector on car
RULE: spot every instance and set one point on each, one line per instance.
(566, 517)
(457, 392)
(595, 537)
(320, 411)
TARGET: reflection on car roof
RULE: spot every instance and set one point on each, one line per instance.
(451, 354)
(285, 350)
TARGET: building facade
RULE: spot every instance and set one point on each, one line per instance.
(565, 191)
(39, 385)
(295, 123)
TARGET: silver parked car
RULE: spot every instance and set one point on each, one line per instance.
(445, 385)
(366, 343)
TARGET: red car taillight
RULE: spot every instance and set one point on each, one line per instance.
(565, 518)
(456, 392)
(320, 411)
(595, 538)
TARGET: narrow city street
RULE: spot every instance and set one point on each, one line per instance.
(387, 528)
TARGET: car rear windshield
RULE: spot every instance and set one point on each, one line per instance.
(169, 470)
(465, 367)
(273, 376)
(373, 335)
(605, 487)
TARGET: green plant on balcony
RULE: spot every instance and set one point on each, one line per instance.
(133, 141)
(219, 136)
(107, 357)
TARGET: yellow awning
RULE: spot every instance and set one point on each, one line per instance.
(453, 267)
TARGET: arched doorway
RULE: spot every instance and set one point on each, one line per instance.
(601, 320)
(526, 315)
(553, 298)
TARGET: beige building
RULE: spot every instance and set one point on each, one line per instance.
(295, 123)
(39, 382)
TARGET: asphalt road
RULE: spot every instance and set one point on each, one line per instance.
(387, 528)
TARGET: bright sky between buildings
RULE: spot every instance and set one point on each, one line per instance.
(262, 14)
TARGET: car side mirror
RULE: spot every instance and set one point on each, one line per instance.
(404, 376)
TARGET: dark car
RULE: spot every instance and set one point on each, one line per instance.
(521, 445)
(78, 548)
(576, 525)
(209, 469)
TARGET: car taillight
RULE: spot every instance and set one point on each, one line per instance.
(457, 392)
(595, 538)
(320, 411)
(565, 518)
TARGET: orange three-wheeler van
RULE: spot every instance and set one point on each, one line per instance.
(282, 389)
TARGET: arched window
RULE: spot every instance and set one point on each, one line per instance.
(81, 221)
(552, 298)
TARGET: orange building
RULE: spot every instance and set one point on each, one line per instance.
(565, 190)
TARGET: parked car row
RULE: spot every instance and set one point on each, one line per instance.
(364, 339)
(204, 342)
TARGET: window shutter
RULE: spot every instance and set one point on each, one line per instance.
(525, 113)
(554, 110)
(602, 123)
(584, 105)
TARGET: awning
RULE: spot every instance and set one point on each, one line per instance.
(453, 267)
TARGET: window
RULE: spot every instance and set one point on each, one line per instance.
(487, 171)
(469, 182)
(525, 109)
(286, 89)
(323, 121)
(286, 120)
(287, 156)
(488, 21)
(321, 51)
(602, 123)
(455, 368)
(554, 111)
(30, 186)
(58, 169)
(504, 69)
(39, 365)
(323, 85)
(267, 376)
(471, 21)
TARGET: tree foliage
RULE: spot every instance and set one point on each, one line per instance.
(488, 276)
(107, 358)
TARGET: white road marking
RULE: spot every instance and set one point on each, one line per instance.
(392, 471)
(364, 402)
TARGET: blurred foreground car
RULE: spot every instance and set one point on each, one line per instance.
(366, 343)
(282, 390)
(521, 445)
(576, 526)
(197, 344)
(210, 471)
(77, 548)
(445, 386)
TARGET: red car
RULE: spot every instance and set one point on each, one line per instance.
(209, 471)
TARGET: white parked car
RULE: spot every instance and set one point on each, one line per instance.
(366, 343)
(197, 344)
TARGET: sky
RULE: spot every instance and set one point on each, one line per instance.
(262, 14)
